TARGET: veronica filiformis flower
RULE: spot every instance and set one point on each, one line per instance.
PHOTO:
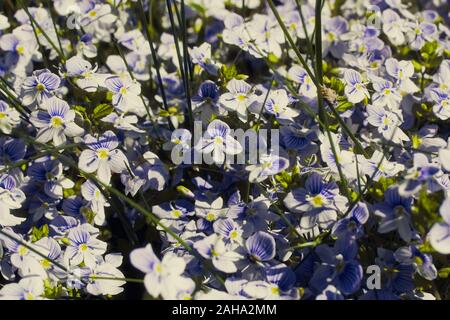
(39, 87)
(55, 122)
(9, 117)
(238, 98)
(83, 247)
(318, 202)
(102, 156)
(355, 88)
(11, 197)
(162, 277)
(218, 141)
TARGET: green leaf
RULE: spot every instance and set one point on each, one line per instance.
(102, 110)
(429, 48)
(337, 85)
(39, 233)
(444, 272)
(344, 106)
(197, 7)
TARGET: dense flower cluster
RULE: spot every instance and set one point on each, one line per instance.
(104, 179)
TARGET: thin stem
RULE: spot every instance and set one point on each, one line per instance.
(320, 101)
(308, 40)
(60, 54)
(291, 42)
(54, 26)
(154, 55)
(130, 72)
(182, 63)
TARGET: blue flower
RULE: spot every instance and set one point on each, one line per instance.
(50, 173)
(261, 247)
(318, 202)
(102, 156)
(83, 247)
(9, 117)
(355, 89)
(39, 87)
(218, 141)
(11, 151)
(11, 197)
(57, 122)
(439, 234)
(352, 226)
(339, 268)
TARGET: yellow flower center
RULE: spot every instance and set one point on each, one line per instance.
(2, 115)
(29, 296)
(317, 201)
(275, 290)
(158, 268)
(218, 140)
(57, 121)
(267, 164)
(233, 234)
(103, 153)
(276, 108)
(331, 36)
(40, 87)
(45, 263)
(22, 250)
(176, 213)
(241, 97)
(20, 49)
(83, 247)
(123, 90)
(210, 216)
(93, 13)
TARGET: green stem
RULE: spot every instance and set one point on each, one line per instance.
(291, 42)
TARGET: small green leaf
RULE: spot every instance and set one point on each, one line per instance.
(102, 110)
(39, 233)
(444, 272)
